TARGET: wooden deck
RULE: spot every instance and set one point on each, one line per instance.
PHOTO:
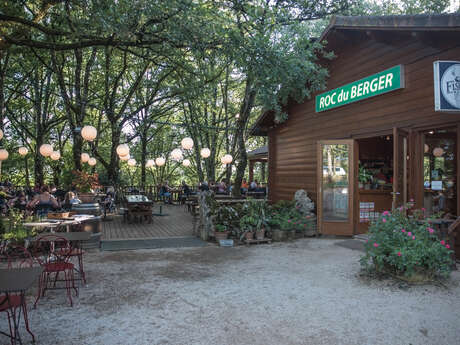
(177, 223)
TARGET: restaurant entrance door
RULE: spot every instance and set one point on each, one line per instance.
(336, 179)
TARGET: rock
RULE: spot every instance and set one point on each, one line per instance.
(303, 203)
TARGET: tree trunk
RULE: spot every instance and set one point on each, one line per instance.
(26, 168)
(143, 158)
(38, 164)
(113, 169)
(246, 107)
(77, 149)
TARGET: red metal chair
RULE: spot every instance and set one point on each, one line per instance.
(54, 253)
(17, 257)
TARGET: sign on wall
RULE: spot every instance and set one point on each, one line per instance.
(374, 85)
(446, 85)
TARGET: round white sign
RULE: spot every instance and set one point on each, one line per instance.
(450, 85)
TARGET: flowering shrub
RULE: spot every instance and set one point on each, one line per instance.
(406, 246)
(85, 182)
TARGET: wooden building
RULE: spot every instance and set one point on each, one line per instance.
(373, 139)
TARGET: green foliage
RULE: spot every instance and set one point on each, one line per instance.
(364, 175)
(226, 217)
(254, 215)
(285, 216)
(85, 182)
(406, 246)
(12, 226)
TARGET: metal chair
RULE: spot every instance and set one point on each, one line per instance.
(54, 253)
(17, 257)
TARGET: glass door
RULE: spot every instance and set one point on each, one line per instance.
(400, 157)
(336, 178)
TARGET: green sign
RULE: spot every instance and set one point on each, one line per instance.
(374, 85)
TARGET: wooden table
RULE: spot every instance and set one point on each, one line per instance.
(138, 206)
(54, 223)
(17, 281)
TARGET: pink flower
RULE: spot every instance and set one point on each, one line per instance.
(411, 200)
(376, 244)
(413, 237)
(399, 254)
(386, 213)
(409, 233)
(367, 241)
(384, 220)
(430, 230)
(401, 208)
(423, 209)
(443, 242)
(447, 246)
(289, 220)
(403, 230)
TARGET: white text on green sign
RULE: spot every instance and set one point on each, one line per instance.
(374, 85)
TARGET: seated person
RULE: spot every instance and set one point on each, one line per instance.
(70, 199)
(221, 188)
(244, 187)
(185, 191)
(204, 186)
(43, 202)
(253, 186)
(165, 192)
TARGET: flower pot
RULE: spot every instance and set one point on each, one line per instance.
(279, 235)
(290, 234)
(260, 234)
(220, 235)
(87, 198)
(249, 235)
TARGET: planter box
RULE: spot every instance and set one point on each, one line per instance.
(220, 235)
(279, 235)
(87, 198)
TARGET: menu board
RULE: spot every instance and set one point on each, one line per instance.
(367, 212)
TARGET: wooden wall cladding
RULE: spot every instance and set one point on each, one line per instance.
(293, 160)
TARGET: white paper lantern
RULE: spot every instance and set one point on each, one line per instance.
(84, 157)
(92, 161)
(226, 159)
(186, 163)
(89, 133)
(3, 154)
(176, 154)
(237, 116)
(427, 148)
(46, 150)
(1, 134)
(131, 162)
(122, 150)
(125, 158)
(150, 163)
(187, 143)
(438, 152)
(23, 150)
(205, 153)
(160, 161)
(55, 155)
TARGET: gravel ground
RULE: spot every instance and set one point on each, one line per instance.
(304, 292)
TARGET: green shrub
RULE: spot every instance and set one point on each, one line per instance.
(285, 216)
(406, 246)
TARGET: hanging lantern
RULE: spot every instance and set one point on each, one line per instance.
(55, 155)
(1, 134)
(226, 159)
(89, 133)
(237, 116)
(125, 158)
(438, 152)
(176, 154)
(122, 150)
(84, 157)
(427, 148)
(3, 154)
(150, 163)
(46, 150)
(160, 161)
(205, 153)
(187, 143)
(186, 163)
(23, 150)
(92, 161)
(131, 162)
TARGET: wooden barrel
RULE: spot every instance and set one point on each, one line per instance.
(90, 208)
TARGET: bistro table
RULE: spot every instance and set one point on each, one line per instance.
(17, 281)
(55, 223)
(138, 206)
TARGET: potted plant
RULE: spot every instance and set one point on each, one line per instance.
(221, 232)
(85, 184)
(364, 177)
(247, 225)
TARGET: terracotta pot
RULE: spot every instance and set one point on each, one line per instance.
(260, 234)
(220, 235)
(249, 235)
